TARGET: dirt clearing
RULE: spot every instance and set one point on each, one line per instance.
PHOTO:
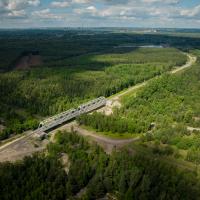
(28, 60)
(23, 147)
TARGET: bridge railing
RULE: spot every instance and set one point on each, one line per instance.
(72, 113)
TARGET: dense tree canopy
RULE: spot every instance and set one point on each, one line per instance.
(27, 94)
(162, 111)
(126, 175)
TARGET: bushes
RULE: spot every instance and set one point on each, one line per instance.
(17, 127)
(112, 124)
(85, 161)
(5, 134)
(193, 155)
(167, 99)
(43, 177)
(166, 150)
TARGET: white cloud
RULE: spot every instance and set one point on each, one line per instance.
(12, 5)
(161, 1)
(118, 12)
(60, 4)
(16, 8)
(18, 4)
(17, 13)
(81, 1)
(34, 2)
(90, 10)
(191, 12)
(46, 14)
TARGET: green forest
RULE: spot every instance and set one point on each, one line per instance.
(160, 112)
(123, 174)
(29, 95)
(56, 45)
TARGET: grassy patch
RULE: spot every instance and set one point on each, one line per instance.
(112, 135)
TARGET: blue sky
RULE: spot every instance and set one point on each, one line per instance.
(99, 13)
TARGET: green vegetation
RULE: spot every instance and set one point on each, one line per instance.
(56, 45)
(38, 177)
(43, 177)
(166, 100)
(47, 91)
(162, 111)
(113, 135)
(114, 124)
(126, 175)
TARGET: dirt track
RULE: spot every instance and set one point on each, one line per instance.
(190, 62)
(108, 144)
(189, 128)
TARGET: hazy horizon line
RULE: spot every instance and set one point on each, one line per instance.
(95, 27)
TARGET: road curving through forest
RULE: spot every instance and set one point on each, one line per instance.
(114, 101)
(107, 143)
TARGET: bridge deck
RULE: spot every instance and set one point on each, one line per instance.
(63, 117)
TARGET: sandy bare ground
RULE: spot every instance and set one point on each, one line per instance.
(192, 129)
(12, 142)
(65, 162)
(24, 146)
(28, 61)
(190, 62)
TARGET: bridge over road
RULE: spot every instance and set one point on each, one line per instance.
(68, 115)
(95, 104)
